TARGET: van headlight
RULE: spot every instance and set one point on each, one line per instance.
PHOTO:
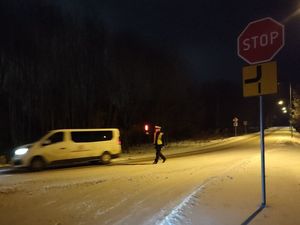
(21, 151)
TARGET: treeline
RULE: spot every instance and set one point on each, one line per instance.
(60, 71)
(295, 109)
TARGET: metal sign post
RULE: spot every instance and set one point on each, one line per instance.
(258, 43)
(245, 123)
(262, 148)
(290, 116)
(235, 125)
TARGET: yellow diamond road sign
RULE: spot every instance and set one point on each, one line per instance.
(260, 79)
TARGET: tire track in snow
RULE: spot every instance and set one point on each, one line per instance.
(176, 215)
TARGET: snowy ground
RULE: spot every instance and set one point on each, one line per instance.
(201, 183)
(235, 195)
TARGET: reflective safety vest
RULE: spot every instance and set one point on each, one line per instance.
(158, 138)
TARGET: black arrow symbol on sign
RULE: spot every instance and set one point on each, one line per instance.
(256, 79)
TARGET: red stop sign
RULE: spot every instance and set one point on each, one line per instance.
(261, 40)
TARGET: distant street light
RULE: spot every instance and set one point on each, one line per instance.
(286, 109)
(280, 102)
(292, 15)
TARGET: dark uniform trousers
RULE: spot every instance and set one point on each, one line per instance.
(159, 154)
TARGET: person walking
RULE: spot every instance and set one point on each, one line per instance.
(159, 142)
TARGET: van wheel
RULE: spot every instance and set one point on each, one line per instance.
(105, 158)
(37, 164)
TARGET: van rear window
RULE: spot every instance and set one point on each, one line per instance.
(91, 136)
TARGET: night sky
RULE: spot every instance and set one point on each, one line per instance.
(202, 32)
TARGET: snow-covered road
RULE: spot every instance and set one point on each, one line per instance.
(218, 183)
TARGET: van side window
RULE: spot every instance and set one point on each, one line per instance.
(55, 138)
(91, 136)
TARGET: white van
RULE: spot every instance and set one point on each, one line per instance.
(69, 145)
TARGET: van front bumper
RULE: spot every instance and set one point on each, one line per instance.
(17, 162)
